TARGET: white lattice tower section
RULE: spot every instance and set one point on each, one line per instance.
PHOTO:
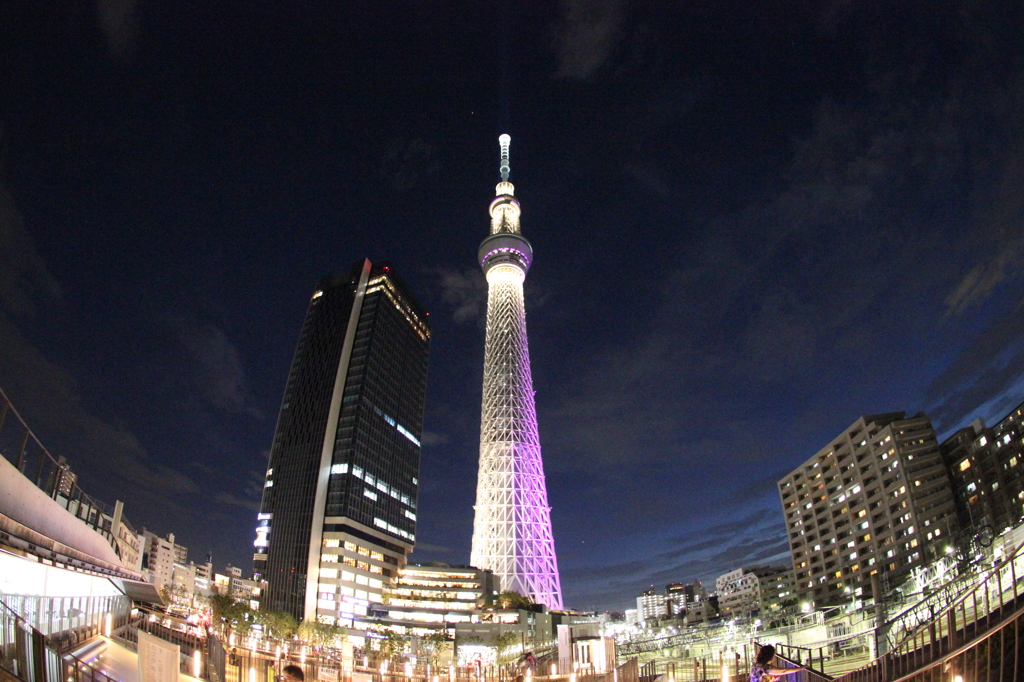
(512, 526)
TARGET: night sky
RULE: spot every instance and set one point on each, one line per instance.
(753, 223)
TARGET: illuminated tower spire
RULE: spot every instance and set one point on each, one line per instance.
(512, 527)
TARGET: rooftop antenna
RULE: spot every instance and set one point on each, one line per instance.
(504, 141)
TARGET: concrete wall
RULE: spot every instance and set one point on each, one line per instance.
(22, 501)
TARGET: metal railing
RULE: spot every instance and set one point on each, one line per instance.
(22, 448)
(699, 668)
(26, 654)
(962, 634)
(809, 657)
(783, 659)
(69, 621)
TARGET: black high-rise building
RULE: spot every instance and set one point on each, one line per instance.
(338, 516)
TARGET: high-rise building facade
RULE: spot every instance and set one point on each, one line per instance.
(986, 466)
(869, 502)
(338, 516)
(512, 526)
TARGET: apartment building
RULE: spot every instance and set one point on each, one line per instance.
(868, 502)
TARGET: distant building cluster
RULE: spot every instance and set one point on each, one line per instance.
(758, 590)
(165, 564)
(885, 498)
(882, 500)
(683, 603)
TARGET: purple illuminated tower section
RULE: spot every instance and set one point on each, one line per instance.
(512, 527)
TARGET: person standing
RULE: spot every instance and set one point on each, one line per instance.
(762, 670)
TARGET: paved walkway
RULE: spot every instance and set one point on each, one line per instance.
(121, 663)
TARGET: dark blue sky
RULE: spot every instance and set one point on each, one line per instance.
(753, 223)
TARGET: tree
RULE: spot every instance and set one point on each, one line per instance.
(388, 645)
(277, 624)
(510, 599)
(467, 641)
(230, 614)
(505, 641)
(434, 645)
(316, 633)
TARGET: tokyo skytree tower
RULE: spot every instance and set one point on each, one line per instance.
(512, 527)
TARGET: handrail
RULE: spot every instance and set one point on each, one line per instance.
(963, 649)
(983, 583)
(34, 655)
(21, 461)
(961, 626)
(86, 508)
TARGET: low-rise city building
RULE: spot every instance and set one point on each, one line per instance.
(757, 590)
(582, 648)
(433, 598)
(159, 558)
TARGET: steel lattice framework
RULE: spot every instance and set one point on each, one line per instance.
(512, 526)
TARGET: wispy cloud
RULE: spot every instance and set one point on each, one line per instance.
(218, 374)
(119, 23)
(795, 311)
(701, 553)
(465, 292)
(25, 281)
(589, 32)
(48, 395)
(432, 438)
(433, 549)
(231, 500)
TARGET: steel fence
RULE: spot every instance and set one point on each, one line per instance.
(963, 635)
